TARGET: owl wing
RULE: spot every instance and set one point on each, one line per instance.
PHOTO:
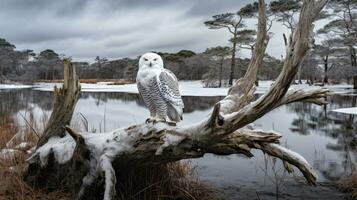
(144, 93)
(169, 90)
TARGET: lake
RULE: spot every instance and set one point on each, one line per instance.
(326, 139)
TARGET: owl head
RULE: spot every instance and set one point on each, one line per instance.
(150, 60)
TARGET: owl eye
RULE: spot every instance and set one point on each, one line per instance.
(155, 59)
(145, 59)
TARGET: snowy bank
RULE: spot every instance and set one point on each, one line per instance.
(187, 88)
(352, 110)
(190, 88)
(14, 86)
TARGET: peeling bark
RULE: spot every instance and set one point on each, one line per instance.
(94, 161)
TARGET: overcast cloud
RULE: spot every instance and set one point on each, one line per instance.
(118, 28)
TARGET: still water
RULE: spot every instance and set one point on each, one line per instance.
(326, 139)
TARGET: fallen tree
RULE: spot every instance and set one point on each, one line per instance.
(88, 164)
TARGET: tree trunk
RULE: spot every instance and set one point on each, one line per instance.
(325, 70)
(88, 165)
(312, 80)
(354, 65)
(299, 74)
(220, 73)
(233, 61)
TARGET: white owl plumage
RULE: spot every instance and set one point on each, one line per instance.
(159, 89)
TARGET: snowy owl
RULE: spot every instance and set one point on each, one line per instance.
(159, 89)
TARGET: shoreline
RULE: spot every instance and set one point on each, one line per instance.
(187, 88)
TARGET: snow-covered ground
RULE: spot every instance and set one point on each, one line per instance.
(14, 86)
(352, 110)
(187, 88)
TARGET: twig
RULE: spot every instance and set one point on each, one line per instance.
(28, 123)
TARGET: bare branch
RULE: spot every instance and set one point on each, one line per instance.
(292, 158)
(312, 96)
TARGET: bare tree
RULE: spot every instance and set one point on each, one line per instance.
(232, 22)
(218, 55)
(85, 162)
(323, 52)
(345, 26)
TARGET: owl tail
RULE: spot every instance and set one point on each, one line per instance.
(174, 113)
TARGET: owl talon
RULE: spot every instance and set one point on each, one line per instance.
(171, 123)
(149, 120)
(158, 120)
(154, 120)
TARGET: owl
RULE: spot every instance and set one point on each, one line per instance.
(159, 89)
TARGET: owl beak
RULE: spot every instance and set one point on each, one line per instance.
(150, 64)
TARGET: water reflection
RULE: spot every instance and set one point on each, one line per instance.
(326, 139)
(191, 103)
(341, 127)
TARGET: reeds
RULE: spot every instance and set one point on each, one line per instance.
(349, 185)
(8, 128)
(176, 180)
(12, 186)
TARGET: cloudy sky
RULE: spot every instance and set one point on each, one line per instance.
(84, 29)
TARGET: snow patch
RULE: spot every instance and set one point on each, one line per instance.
(352, 110)
(62, 149)
(295, 156)
(23, 145)
(9, 153)
(109, 144)
(109, 176)
(170, 140)
(14, 86)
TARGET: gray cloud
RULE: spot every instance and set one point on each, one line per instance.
(113, 28)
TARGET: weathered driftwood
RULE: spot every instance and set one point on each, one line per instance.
(65, 99)
(84, 163)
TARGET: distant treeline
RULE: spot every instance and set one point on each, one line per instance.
(27, 66)
(211, 66)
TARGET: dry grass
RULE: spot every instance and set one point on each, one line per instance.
(7, 130)
(349, 185)
(90, 81)
(169, 181)
(12, 186)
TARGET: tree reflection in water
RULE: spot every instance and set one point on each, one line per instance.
(341, 127)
